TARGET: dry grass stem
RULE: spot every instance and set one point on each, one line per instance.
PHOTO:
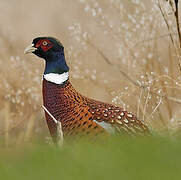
(59, 128)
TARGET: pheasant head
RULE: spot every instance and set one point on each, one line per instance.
(52, 51)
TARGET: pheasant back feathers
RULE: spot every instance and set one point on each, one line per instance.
(80, 115)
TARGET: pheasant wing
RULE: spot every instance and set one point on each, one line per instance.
(115, 119)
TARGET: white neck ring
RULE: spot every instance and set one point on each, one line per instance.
(56, 78)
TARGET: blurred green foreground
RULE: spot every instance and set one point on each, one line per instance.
(147, 159)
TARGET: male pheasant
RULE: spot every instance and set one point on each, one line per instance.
(78, 114)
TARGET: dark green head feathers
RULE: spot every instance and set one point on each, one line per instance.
(52, 51)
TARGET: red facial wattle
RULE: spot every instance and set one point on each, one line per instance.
(45, 44)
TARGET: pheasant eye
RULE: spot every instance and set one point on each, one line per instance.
(44, 43)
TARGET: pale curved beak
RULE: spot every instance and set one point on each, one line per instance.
(30, 49)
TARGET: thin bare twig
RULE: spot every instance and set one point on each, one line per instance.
(159, 37)
(109, 62)
(169, 29)
(139, 102)
(156, 107)
(177, 21)
(59, 127)
(172, 5)
(174, 99)
(146, 102)
(59, 134)
(49, 114)
(166, 22)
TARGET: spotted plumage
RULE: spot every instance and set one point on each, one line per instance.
(79, 115)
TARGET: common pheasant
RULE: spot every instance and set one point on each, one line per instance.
(78, 114)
